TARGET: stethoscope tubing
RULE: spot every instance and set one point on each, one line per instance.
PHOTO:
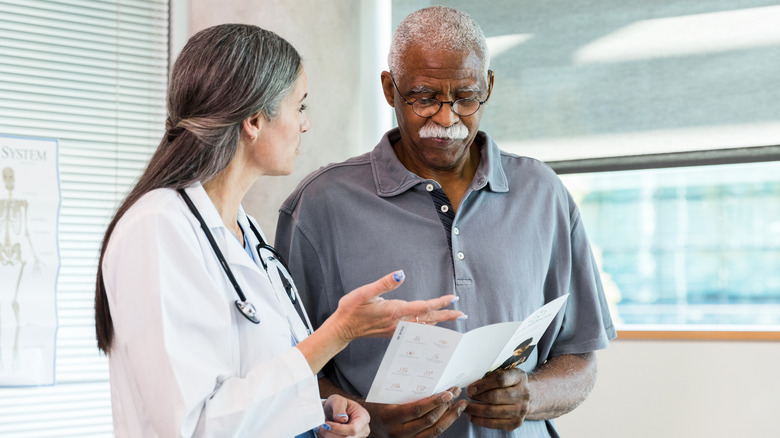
(244, 306)
(214, 245)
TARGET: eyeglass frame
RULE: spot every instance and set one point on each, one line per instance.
(442, 102)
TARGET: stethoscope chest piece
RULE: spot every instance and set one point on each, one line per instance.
(248, 310)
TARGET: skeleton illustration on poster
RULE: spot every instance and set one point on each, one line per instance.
(29, 260)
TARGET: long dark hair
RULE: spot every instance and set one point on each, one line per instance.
(223, 75)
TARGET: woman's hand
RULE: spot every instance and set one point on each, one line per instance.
(362, 313)
(345, 418)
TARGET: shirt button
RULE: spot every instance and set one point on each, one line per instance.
(461, 256)
(456, 231)
(429, 187)
(445, 208)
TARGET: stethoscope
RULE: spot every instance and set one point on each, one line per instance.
(269, 257)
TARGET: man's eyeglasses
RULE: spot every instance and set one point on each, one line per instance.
(428, 107)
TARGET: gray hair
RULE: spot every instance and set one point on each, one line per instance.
(437, 27)
(224, 75)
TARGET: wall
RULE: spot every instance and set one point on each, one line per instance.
(645, 388)
(681, 389)
(327, 35)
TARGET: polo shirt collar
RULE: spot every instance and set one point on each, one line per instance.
(490, 166)
(391, 178)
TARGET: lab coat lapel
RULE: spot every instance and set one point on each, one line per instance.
(243, 220)
(233, 251)
(251, 277)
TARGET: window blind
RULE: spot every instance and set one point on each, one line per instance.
(92, 74)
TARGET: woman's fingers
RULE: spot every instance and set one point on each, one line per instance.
(347, 418)
(440, 316)
(364, 313)
(427, 311)
(389, 282)
(336, 409)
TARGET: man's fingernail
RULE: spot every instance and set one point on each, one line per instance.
(464, 316)
(457, 391)
(325, 426)
(447, 396)
(398, 276)
(455, 299)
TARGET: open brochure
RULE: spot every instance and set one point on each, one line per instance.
(423, 360)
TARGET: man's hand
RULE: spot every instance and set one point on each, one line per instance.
(501, 400)
(428, 417)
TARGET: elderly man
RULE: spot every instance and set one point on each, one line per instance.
(438, 199)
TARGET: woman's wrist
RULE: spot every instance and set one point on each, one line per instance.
(336, 331)
(320, 347)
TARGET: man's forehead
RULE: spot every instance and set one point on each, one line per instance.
(435, 80)
(437, 61)
(427, 84)
(421, 65)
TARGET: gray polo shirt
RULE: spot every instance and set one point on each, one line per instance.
(515, 243)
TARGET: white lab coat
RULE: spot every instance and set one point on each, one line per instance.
(184, 362)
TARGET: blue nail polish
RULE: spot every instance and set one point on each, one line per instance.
(342, 415)
(398, 276)
(455, 299)
(325, 426)
(463, 317)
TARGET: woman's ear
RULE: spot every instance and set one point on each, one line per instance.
(252, 125)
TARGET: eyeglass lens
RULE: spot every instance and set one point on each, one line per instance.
(428, 107)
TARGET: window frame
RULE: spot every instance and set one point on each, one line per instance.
(742, 155)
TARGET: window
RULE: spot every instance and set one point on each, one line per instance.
(93, 75)
(662, 119)
(687, 245)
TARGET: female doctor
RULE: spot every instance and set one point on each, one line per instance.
(199, 318)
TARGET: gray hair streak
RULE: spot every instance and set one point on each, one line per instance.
(437, 27)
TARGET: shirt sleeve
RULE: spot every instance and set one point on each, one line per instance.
(174, 359)
(587, 325)
(309, 272)
(306, 267)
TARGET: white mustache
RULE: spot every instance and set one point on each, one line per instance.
(457, 131)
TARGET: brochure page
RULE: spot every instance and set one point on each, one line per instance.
(422, 360)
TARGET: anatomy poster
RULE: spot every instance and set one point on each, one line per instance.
(29, 260)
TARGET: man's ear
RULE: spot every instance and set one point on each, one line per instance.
(252, 125)
(491, 78)
(388, 88)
